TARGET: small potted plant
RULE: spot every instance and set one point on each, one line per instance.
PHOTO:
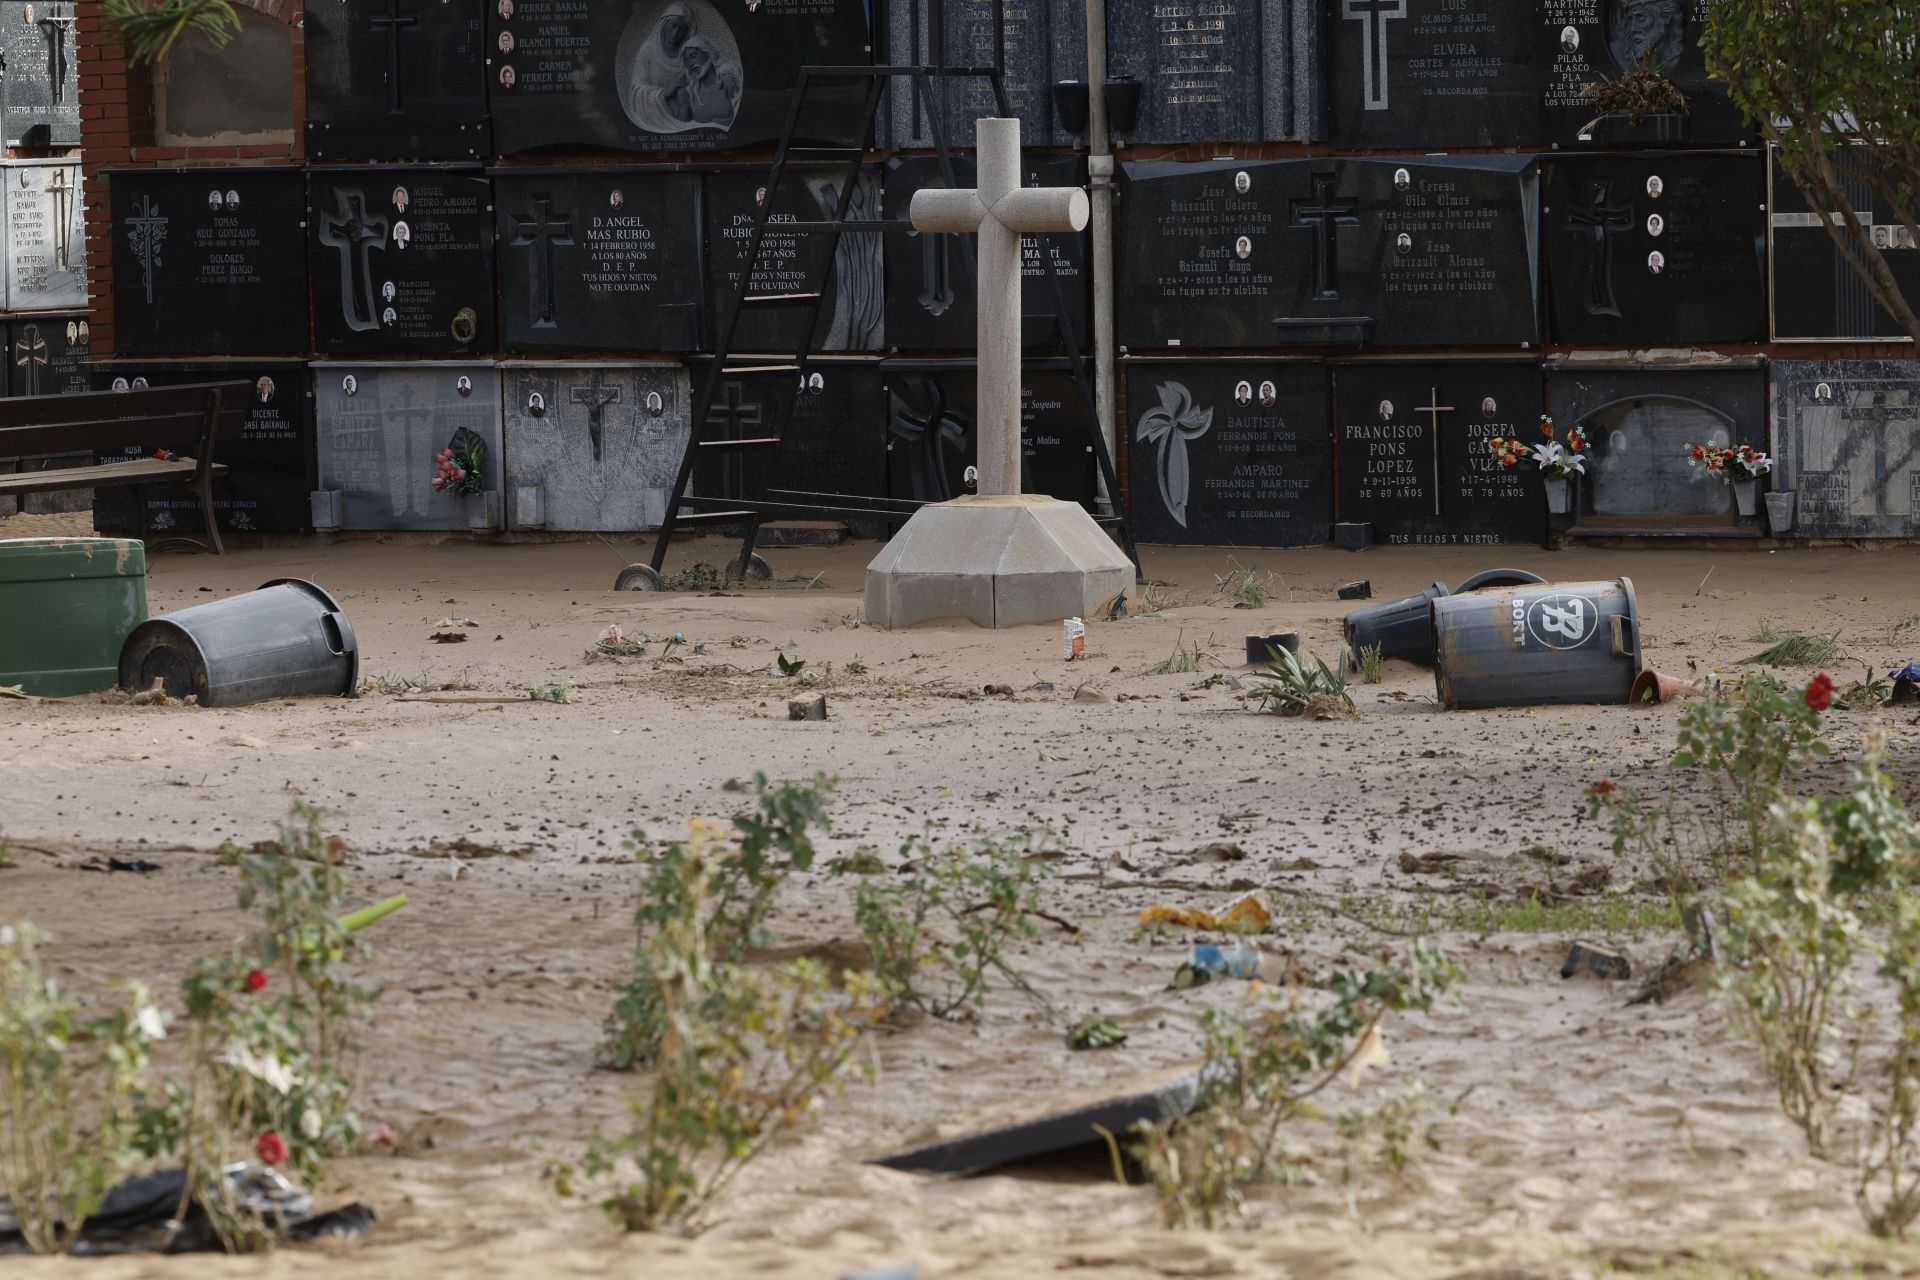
(1557, 461)
(1738, 466)
(1640, 106)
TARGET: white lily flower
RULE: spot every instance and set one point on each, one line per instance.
(267, 1069)
(150, 1021)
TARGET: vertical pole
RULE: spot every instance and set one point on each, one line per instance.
(997, 335)
(1100, 179)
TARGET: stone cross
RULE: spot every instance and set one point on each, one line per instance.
(998, 210)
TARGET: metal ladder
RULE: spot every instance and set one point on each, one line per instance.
(684, 508)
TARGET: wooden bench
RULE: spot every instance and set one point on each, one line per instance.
(153, 418)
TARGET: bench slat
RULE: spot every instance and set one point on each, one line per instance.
(106, 476)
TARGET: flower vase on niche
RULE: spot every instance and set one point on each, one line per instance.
(1780, 511)
(1746, 497)
(1559, 495)
(1558, 462)
(1738, 466)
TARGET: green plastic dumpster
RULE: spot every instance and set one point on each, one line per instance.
(66, 606)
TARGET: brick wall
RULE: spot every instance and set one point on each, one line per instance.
(117, 131)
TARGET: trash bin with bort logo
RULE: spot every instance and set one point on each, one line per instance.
(1562, 642)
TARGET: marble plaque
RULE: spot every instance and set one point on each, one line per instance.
(791, 260)
(931, 437)
(49, 356)
(1846, 441)
(40, 92)
(396, 80)
(1234, 453)
(601, 443)
(380, 428)
(1041, 42)
(46, 236)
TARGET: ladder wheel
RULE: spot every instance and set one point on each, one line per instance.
(751, 568)
(638, 577)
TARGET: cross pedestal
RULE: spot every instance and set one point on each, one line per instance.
(1001, 557)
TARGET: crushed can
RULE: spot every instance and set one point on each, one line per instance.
(1073, 639)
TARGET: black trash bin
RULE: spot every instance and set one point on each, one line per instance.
(289, 639)
(1402, 628)
(1557, 643)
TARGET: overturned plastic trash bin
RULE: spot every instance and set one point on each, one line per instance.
(1552, 644)
(289, 639)
(1402, 628)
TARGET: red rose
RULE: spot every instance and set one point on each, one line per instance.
(1604, 787)
(162, 454)
(1819, 694)
(271, 1148)
(256, 980)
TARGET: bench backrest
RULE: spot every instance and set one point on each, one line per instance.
(110, 421)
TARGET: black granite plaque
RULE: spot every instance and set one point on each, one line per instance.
(396, 80)
(209, 261)
(669, 75)
(401, 261)
(1230, 453)
(41, 87)
(1577, 43)
(930, 278)
(1203, 251)
(793, 261)
(1846, 438)
(46, 235)
(931, 439)
(1395, 476)
(48, 356)
(1356, 251)
(1445, 250)
(1199, 66)
(270, 464)
(1657, 248)
(1815, 293)
(834, 443)
(1433, 73)
(600, 260)
(1639, 421)
(1041, 41)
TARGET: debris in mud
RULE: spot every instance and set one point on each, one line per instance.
(1095, 1031)
(1361, 590)
(138, 865)
(448, 637)
(1584, 959)
(1247, 914)
(1329, 706)
(814, 708)
(998, 690)
(1088, 694)
(1238, 959)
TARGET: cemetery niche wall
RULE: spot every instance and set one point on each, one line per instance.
(1639, 419)
(1346, 251)
(792, 261)
(592, 447)
(931, 438)
(209, 261)
(47, 355)
(1040, 42)
(46, 238)
(270, 464)
(1413, 456)
(930, 285)
(668, 75)
(40, 92)
(1846, 443)
(1817, 296)
(380, 428)
(402, 261)
(1232, 453)
(1657, 248)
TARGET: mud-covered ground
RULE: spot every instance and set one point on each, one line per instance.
(1590, 1134)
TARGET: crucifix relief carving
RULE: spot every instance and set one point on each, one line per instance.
(997, 211)
(596, 396)
(1598, 221)
(1324, 215)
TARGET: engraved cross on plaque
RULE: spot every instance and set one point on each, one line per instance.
(546, 230)
(1325, 218)
(1598, 221)
(1373, 16)
(30, 354)
(60, 194)
(1433, 409)
(596, 396)
(354, 235)
(147, 231)
(739, 420)
(998, 210)
(394, 22)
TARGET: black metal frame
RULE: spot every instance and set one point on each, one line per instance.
(797, 504)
